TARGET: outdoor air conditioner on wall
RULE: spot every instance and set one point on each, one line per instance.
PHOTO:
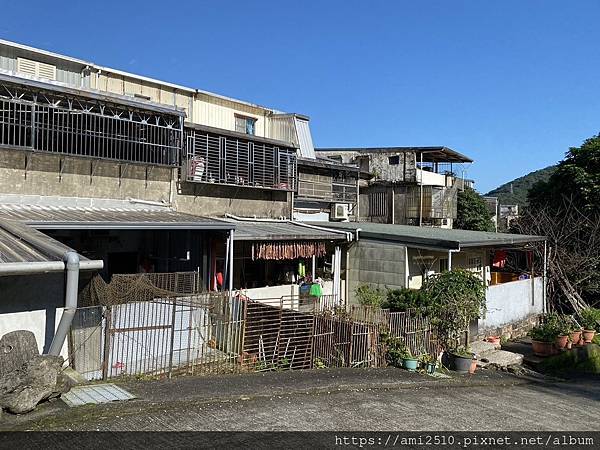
(339, 211)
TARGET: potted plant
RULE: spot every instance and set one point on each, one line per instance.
(409, 362)
(564, 326)
(461, 359)
(575, 336)
(590, 320)
(429, 362)
(395, 350)
(493, 340)
(456, 298)
(542, 339)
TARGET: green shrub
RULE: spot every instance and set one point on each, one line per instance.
(590, 319)
(456, 298)
(370, 296)
(399, 300)
(396, 350)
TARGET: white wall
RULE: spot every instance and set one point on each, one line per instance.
(431, 178)
(510, 302)
(34, 321)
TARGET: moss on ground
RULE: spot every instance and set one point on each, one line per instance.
(578, 360)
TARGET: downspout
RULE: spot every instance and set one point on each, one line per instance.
(72, 267)
(450, 258)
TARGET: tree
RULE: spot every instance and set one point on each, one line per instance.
(577, 178)
(472, 212)
(566, 209)
(456, 298)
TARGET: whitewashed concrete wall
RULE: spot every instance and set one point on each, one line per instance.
(34, 321)
(510, 302)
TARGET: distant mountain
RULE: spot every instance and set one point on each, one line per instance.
(515, 191)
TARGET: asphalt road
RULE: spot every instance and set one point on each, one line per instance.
(336, 400)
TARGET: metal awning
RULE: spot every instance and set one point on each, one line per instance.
(21, 243)
(437, 238)
(284, 231)
(434, 154)
(91, 218)
(26, 250)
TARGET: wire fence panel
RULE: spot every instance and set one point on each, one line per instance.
(276, 338)
(416, 331)
(86, 342)
(217, 333)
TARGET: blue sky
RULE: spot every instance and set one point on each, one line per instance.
(512, 84)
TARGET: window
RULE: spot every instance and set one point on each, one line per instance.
(474, 263)
(394, 160)
(246, 125)
(443, 265)
(378, 204)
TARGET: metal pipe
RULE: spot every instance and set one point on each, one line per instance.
(226, 265)
(421, 193)
(231, 261)
(314, 268)
(544, 279)
(450, 258)
(23, 268)
(71, 263)
(393, 208)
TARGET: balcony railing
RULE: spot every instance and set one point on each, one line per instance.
(57, 122)
(213, 156)
(326, 188)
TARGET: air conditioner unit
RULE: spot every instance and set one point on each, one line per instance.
(339, 211)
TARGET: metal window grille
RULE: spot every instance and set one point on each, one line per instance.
(213, 158)
(69, 125)
(378, 204)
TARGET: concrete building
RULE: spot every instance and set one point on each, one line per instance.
(400, 256)
(409, 185)
(145, 175)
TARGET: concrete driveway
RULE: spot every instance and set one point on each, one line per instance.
(345, 399)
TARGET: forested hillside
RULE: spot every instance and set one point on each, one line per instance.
(520, 187)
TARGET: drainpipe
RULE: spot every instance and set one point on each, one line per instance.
(71, 290)
(450, 258)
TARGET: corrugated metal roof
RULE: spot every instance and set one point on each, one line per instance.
(52, 217)
(282, 231)
(18, 244)
(433, 237)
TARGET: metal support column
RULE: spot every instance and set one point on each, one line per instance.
(421, 195)
(544, 278)
(231, 261)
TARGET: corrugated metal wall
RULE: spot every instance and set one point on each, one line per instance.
(66, 72)
(305, 142)
(282, 127)
(201, 108)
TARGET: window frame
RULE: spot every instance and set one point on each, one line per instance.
(246, 119)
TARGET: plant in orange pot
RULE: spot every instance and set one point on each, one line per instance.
(542, 339)
(590, 319)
